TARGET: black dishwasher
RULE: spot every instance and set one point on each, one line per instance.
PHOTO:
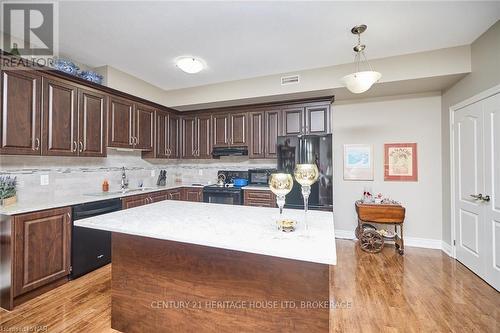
(91, 248)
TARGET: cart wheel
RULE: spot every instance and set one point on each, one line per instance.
(358, 232)
(371, 241)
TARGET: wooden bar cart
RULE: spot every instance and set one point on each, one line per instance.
(369, 239)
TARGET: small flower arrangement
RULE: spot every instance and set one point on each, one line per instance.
(7, 190)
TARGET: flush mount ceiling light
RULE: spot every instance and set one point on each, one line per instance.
(189, 64)
(360, 81)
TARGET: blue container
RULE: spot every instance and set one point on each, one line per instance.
(240, 182)
(91, 76)
(66, 66)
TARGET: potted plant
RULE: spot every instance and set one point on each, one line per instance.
(7, 190)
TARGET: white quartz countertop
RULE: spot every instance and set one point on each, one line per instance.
(232, 227)
(56, 201)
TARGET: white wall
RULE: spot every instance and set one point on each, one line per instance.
(414, 118)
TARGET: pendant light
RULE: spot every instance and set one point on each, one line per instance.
(360, 81)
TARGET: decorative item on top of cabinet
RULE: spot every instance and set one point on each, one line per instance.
(259, 198)
(42, 245)
(20, 118)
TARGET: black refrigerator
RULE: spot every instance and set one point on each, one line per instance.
(307, 149)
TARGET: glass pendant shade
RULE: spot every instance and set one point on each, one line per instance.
(360, 82)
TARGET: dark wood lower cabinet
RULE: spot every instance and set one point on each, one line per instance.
(193, 194)
(175, 194)
(42, 247)
(259, 198)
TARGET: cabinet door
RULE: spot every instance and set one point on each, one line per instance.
(120, 123)
(273, 130)
(133, 201)
(144, 127)
(42, 246)
(220, 130)
(293, 121)
(204, 137)
(192, 194)
(317, 119)
(20, 116)
(189, 137)
(256, 135)
(175, 194)
(92, 123)
(60, 121)
(159, 196)
(173, 137)
(161, 134)
(238, 129)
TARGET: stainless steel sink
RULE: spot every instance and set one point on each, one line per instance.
(125, 191)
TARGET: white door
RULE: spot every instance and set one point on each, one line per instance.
(477, 177)
(491, 109)
(469, 180)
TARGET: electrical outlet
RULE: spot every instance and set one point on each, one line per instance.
(44, 180)
(200, 172)
(152, 173)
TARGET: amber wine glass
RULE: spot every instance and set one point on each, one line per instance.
(280, 184)
(306, 175)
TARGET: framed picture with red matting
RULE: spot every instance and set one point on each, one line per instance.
(400, 162)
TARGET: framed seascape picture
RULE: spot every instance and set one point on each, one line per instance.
(358, 163)
(400, 163)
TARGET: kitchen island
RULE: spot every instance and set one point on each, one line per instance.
(186, 267)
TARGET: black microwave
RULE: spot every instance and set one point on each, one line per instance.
(259, 176)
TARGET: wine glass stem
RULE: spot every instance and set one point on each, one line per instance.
(306, 190)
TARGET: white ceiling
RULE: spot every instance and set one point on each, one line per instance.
(241, 40)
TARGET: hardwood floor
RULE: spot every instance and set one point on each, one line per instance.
(422, 291)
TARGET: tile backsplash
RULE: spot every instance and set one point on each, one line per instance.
(85, 175)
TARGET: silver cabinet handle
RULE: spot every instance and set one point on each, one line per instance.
(37, 143)
(81, 146)
(100, 256)
(69, 215)
(75, 146)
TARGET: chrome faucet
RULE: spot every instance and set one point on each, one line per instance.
(124, 184)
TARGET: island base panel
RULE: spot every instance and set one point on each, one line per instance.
(166, 286)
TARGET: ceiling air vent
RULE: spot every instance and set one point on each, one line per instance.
(292, 79)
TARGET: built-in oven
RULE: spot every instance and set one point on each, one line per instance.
(259, 176)
(223, 195)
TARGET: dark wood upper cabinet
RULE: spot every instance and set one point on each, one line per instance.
(42, 247)
(173, 149)
(204, 137)
(120, 123)
(293, 121)
(60, 118)
(20, 118)
(220, 130)
(144, 120)
(273, 130)
(161, 135)
(238, 129)
(317, 119)
(189, 137)
(92, 123)
(257, 134)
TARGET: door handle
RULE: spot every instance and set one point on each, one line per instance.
(75, 146)
(81, 146)
(37, 143)
(100, 256)
(486, 198)
(477, 196)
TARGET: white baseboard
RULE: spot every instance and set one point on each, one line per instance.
(409, 241)
(446, 248)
